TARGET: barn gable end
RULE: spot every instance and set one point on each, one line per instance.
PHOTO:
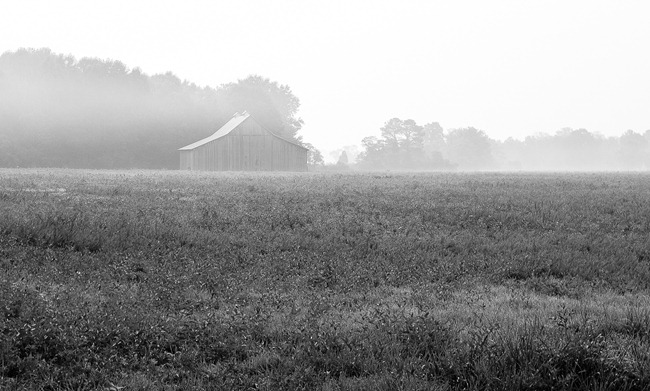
(242, 144)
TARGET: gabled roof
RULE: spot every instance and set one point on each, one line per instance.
(236, 120)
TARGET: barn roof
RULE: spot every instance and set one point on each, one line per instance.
(236, 120)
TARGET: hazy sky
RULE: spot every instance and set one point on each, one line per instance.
(510, 68)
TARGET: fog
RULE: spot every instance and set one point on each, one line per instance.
(59, 111)
(405, 145)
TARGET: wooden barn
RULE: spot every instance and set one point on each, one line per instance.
(242, 144)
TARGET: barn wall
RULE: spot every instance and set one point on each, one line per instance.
(249, 147)
(186, 160)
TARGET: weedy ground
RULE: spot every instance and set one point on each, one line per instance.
(181, 280)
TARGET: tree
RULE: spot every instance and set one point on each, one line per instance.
(508, 154)
(373, 153)
(403, 145)
(433, 138)
(633, 150)
(273, 105)
(576, 149)
(314, 156)
(351, 151)
(434, 146)
(469, 148)
(406, 136)
(343, 159)
(403, 142)
(93, 113)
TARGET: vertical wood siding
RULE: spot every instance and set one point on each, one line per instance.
(249, 147)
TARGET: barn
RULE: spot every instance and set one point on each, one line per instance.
(242, 144)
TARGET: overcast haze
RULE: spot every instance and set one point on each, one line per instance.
(510, 68)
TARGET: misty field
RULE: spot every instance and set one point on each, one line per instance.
(388, 281)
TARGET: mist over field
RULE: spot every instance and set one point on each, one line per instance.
(333, 196)
(59, 111)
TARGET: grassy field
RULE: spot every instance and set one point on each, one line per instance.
(179, 280)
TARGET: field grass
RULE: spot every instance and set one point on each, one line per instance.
(386, 281)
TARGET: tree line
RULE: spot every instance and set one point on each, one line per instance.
(405, 145)
(59, 111)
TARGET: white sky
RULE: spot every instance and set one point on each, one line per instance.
(508, 67)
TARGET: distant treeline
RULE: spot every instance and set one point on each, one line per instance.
(57, 111)
(403, 144)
